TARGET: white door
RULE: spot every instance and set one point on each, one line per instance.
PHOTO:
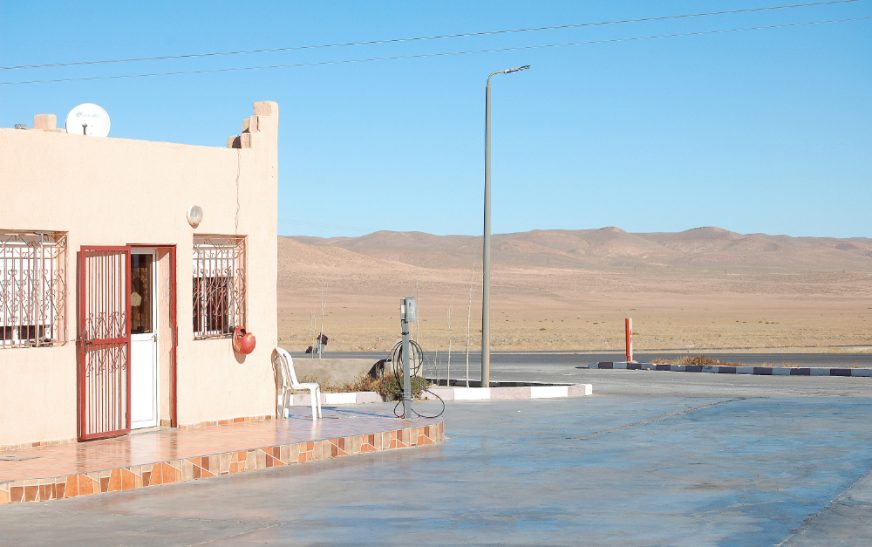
(143, 339)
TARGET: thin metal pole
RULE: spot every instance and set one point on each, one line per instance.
(486, 252)
(407, 360)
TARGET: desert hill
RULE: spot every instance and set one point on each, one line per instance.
(570, 289)
(612, 247)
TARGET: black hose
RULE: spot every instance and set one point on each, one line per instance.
(417, 360)
(397, 358)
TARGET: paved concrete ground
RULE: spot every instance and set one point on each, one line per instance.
(651, 459)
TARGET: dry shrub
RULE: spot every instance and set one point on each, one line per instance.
(388, 386)
(696, 360)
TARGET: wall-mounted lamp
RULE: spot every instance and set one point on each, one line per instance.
(195, 216)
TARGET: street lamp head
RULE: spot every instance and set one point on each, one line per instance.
(516, 69)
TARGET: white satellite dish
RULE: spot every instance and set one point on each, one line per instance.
(88, 119)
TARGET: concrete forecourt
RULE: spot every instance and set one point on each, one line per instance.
(650, 458)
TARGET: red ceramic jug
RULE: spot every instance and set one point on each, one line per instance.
(243, 341)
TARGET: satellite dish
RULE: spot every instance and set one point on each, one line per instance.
(88, 119)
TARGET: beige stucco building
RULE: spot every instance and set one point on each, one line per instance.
(116, 313)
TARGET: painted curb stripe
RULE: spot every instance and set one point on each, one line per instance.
(759, 371)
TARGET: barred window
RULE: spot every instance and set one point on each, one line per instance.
(32, 289)
(219, 285)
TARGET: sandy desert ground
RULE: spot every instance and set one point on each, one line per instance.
(693, 291)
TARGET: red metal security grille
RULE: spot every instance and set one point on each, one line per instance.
(219, 285)
(104, 342)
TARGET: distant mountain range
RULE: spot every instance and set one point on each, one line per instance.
(571, 289)
(601, 249)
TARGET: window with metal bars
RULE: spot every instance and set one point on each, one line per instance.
(32, 289)
(219, 285)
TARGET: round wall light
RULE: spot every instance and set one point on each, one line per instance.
(195, 216)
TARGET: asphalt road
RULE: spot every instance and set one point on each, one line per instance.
(534, 360)
(533, 365)
(651, 459)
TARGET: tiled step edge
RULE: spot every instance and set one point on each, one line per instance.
(509, 393)
(718, 369)
(201, 467)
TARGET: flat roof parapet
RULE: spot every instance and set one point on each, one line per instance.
(259, 130)
(253, 124)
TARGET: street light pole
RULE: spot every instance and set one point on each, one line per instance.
(486, 252)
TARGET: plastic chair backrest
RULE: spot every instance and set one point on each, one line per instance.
(288, 366)
(282, 377)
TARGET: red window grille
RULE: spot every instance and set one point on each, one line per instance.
(219, 285)
(32, 289)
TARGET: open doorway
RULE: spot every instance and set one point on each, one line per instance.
(153, 336)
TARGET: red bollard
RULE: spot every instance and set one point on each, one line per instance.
(628, 328)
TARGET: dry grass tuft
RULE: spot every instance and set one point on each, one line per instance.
(696, 360)
(389, 387)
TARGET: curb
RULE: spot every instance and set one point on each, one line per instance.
(544, 391)
(341, 398)
(720, 369)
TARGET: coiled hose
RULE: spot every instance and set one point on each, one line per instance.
(416, 355)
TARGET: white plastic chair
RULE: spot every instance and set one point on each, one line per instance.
(287, 383)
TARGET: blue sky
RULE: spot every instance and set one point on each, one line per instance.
(761, 131)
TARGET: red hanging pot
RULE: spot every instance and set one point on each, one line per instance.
(243, 341)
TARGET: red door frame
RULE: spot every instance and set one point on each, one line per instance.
(83, 344)
(174, 326)
(106, 297)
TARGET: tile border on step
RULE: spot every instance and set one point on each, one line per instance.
(211, 465)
